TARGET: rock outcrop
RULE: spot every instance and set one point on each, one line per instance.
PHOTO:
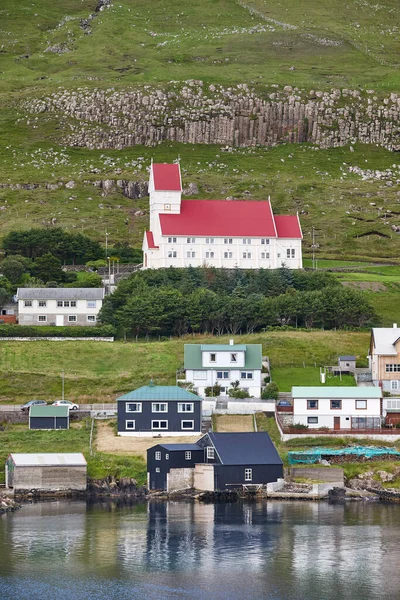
(232, 116)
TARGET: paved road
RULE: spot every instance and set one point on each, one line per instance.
(85, 407)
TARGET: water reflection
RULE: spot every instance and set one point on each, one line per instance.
(274, 550)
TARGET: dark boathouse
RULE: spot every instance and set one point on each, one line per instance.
(217, 461)
(49, 417)
(159, 410)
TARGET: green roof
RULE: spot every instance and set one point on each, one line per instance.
(337, 392)
(49, 411)
(223, 347)
(192, 360)
(160, 392)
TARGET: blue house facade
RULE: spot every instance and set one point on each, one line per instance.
(218, 461)
(159, 410)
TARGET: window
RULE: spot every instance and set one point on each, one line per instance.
(233, 357)
(190, 240)
(66, 303)
(393, 368)
(209, 240)
(222, 374)
(199, 374)
(190, 254)
(157, 455)
(246, 375)
(365, 422)
(228, 240)
(42, 318)
(248, 474)
(27, 303)
(394, 384)
(312, 420)
(313, 404)
(42, 303)
(228, 254)
(246, 254)
(265, 241)
(167, 457)
(212, 357)
(188, 455)
(159, 407)
(159, 424)
(91, 318)
(172, 240)
(167, 207)
(158, 470)
(130, 425)
(246, 240)
(59, 303)
(187, 424)
(172, 254)
(361, 404)
(89, 303)
(185, 407)
(209, 254)
(264, 255)
(71, 318)
(73, 303)
(290, 253)
(210, 452)
(336, 404)
(133, 407)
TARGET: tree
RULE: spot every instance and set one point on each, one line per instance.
(13, 267)
(4, 297)
(87, 280)
(48, 268)
(271, 391)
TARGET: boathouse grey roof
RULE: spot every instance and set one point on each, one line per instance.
(60, 293)
(49, 459)
(250, 448)
(160, 392)
(347, 357)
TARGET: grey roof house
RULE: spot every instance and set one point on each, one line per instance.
(59, 306)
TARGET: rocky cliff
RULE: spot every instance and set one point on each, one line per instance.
(233, 116)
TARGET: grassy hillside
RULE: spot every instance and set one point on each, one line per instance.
(96, 372)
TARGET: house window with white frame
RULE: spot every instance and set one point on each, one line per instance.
(233, 357)
(130, 425)
(157, 455)
(27, 303)
(190, 240)
(172, 254)
(265, 241)
(210, 452)
(312, 404)
(264, 255)
(66, 303)
(91, 318)
(213, 357)
(209, 240)
(172, 240)
(247, 241)
(246, 375)
(159, 407)
(209, 254)
(361, 404)
(246, 254)
(228, 240)
(248, 474)
(167, 207)
(158, 470)
(73, 303)
(187, 425)
(42, 318)
(131, 407)
(188, 455)
(90, 303)
(394, 384)
(42, 303)
(312, 420)
(222, 374)
(167, 456)
(59, 303)
(185, 407)
(392, 368)
(290, 253)
(190, 254)
(71, 318)
(158, 425)
(228, 254)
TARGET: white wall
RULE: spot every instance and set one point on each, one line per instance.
(253, 385)
(326, 415)
(223, 359)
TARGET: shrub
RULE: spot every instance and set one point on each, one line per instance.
(212, 391)
(270, 392)
(238, 394)
(19, 331)
(298, 426)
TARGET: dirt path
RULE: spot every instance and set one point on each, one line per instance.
(230, 423)
(108, 441)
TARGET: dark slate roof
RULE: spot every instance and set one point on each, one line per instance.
(60, 293)
(347, 357)
(245, 448)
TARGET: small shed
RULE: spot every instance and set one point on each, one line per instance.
(49, 417)
(347, 363)
(46, 472)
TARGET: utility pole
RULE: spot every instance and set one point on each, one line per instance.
(106, 244)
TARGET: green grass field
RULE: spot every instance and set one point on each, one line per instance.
(96, 372)
(286, 377)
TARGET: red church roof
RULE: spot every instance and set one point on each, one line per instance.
(166, 177)
(288, 226)
(150, 240)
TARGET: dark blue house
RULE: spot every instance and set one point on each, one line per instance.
(218, 461)
(159, 410)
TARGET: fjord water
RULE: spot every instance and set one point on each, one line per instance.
(185, 550)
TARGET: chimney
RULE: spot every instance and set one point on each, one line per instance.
(394, 325)
(231, 342)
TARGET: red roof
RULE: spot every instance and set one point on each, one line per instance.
(221, 218)
(288, 226)
(150, 240)
(167, 177)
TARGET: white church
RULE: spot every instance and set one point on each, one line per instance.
(216, 233)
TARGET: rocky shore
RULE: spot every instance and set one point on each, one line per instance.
(7, 504)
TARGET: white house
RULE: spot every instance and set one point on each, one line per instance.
(217, 233)
(384, 358)
(351, 408)
(207, 365)
(59, 306)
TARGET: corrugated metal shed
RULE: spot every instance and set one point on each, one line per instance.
(60, 293)
(336, 392)
(49, 411)
(160, 392)
(51, 459)
(253, 356)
